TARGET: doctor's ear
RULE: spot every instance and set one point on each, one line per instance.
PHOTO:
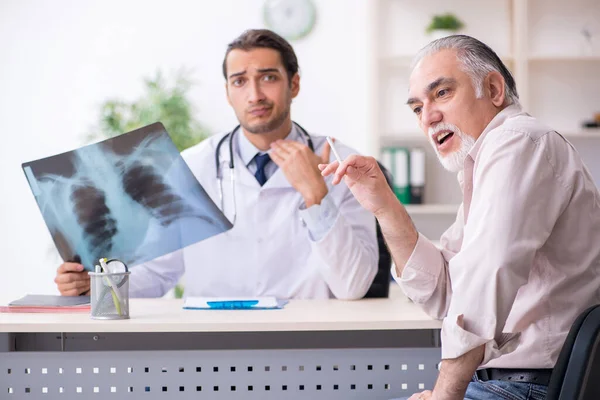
(295, 85)
(227, 93)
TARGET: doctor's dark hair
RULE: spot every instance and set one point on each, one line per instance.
(264, 38)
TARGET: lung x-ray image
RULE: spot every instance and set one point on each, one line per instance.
(131, 197)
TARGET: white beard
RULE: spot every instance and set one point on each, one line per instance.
(454, 161)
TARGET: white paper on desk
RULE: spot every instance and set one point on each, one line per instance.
(233, 303)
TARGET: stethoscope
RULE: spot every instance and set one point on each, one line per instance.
(231, 136)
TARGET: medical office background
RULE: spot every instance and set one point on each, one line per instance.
(59, 60)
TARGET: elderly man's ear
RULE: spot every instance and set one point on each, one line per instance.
(494, 86)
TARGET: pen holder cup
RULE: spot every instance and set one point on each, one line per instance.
(109, 295)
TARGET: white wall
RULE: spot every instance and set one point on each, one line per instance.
(60, 59)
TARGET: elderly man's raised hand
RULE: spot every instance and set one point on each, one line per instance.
(365, 179)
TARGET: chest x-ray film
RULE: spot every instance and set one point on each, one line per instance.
(131, 197)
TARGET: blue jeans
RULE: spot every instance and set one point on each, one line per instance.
(503, 390)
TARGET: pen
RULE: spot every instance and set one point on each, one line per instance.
(232, 304)
(335, 153)
(113, 290)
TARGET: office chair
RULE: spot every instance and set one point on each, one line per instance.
(381, 284)
(576, 375)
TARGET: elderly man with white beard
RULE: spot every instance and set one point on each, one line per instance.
(522, 259)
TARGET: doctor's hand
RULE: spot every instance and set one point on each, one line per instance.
(300, 166)
(72, 280)
(365, 180)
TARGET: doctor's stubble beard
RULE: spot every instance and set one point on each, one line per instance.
(271, 125)
(454, 161)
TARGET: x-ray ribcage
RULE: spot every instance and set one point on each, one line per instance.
(93, 215)
(130, 197)
(148, 188)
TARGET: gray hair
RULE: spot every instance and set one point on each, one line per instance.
(477, 60)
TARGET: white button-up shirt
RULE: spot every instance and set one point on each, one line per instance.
(522, 259)
(277, 246)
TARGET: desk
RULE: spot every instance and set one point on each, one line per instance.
(322, 349)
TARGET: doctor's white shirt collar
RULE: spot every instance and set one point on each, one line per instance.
(247, 151)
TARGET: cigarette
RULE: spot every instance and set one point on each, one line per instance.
(335, 153)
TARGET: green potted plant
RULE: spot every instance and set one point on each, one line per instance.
(444, 25)
(163, 100)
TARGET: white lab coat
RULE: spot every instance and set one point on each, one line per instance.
(269, 251)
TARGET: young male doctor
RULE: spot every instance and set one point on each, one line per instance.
(294, 235)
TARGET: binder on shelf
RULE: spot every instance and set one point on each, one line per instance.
(400, 171)
(387, 159)
(417, 175)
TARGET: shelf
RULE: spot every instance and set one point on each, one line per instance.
(404, 61)
(562, 58)
(429, 209)
(401, 138)
(396, 61)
